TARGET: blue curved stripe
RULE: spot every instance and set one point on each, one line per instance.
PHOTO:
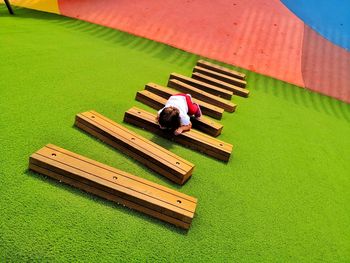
(331, 19)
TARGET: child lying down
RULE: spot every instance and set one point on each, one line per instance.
(176, 113)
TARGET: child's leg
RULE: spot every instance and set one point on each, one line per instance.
(198, 112)
(193, 108)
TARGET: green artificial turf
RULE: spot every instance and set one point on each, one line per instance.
(283, 196)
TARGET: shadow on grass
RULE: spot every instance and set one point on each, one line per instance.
(301, 97)
(160, 51)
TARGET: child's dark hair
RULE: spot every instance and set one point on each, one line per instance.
(170, 118)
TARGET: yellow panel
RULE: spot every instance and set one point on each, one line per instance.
(50, 6)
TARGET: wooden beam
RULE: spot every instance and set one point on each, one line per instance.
(216, 82)
(207, 108)
(114, 185)
(231, 80)
(220, 69)
(141, 149)
(202, 95)
(223, 93)
(192, 139)
(203, 124)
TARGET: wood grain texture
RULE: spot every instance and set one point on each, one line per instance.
(223, 77)
(193, 139)
(223, 93)
(202, 95)
(141, 149)
(220, 69)
(203, 124)
(115, 185)
(207, 108)
(219, 83)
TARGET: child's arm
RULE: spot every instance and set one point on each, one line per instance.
(183, 128)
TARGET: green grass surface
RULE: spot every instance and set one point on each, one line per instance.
(283, 196)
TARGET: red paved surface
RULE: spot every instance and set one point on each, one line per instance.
(325, 67)
(262, 36)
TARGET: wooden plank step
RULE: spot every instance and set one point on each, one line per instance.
(202, 95)
(192, 139)
(223, 93)
(231, 80)
(216, 82)
(148, 153)
(114, 185)
(223, 70)
(207, 108)
(203, 124)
